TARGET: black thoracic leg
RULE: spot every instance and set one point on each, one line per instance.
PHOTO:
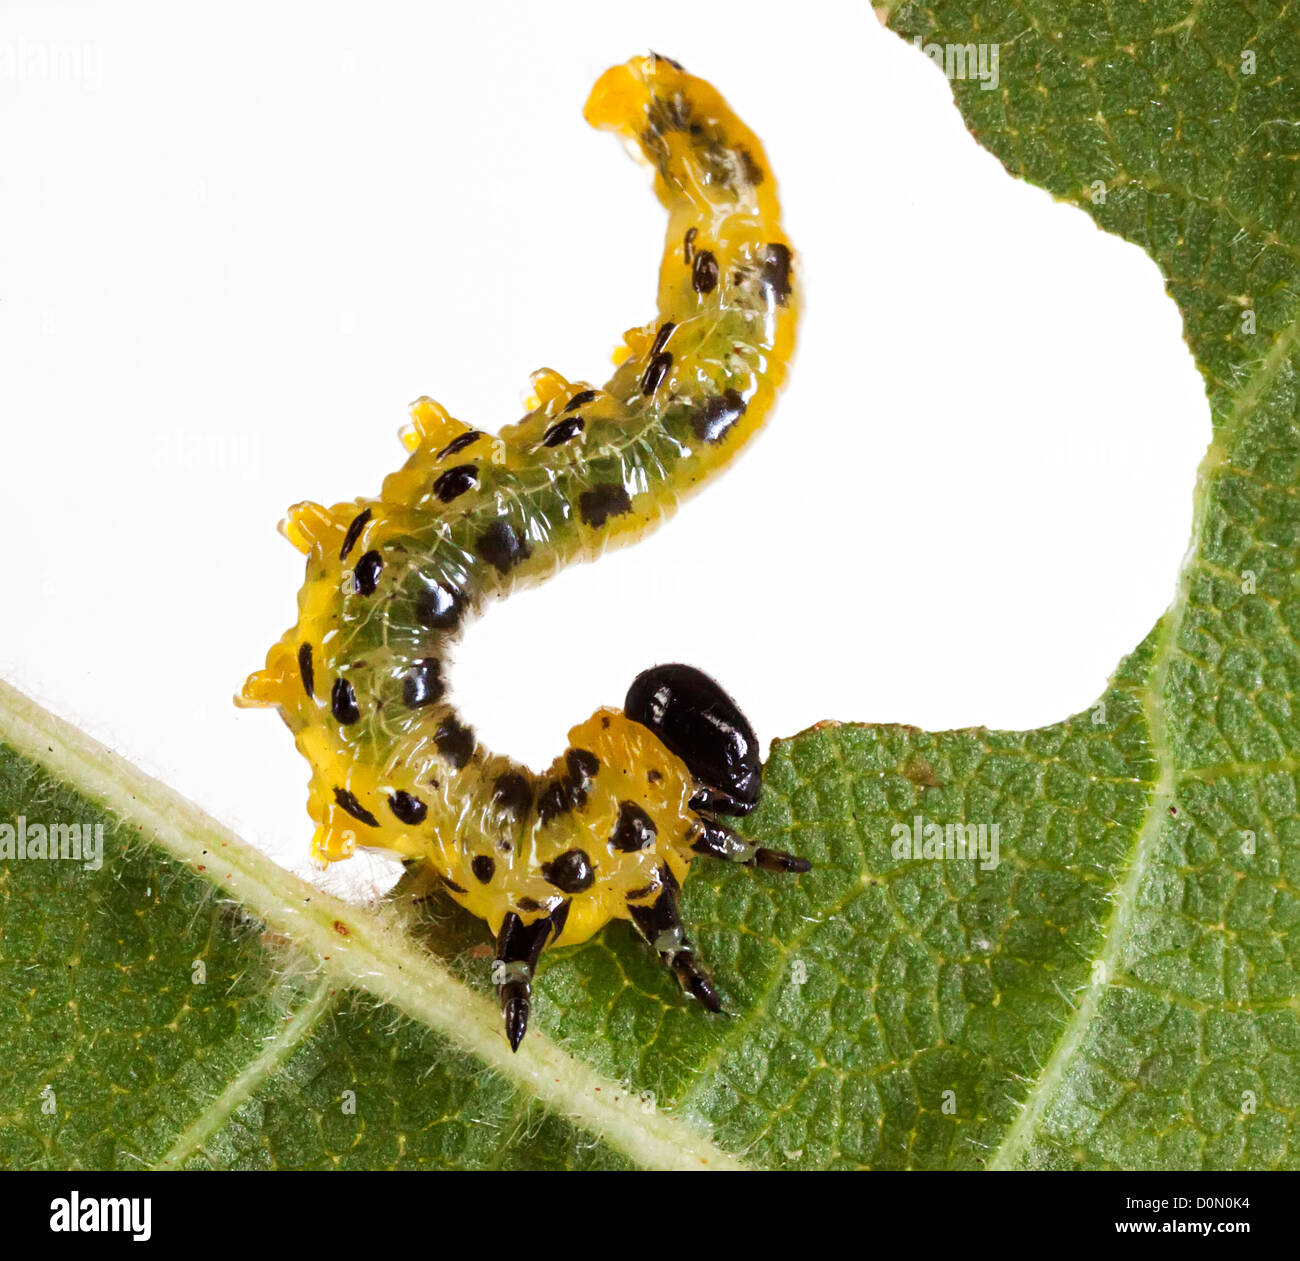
(719, 841)
(519, 946)
(661, 925)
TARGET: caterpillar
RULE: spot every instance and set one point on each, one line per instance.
(361, 679)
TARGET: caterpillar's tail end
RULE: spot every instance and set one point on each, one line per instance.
(708, 164)
(620, 96)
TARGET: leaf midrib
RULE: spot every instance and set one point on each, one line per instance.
(358, 949)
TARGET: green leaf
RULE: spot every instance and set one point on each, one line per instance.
(1119, 990)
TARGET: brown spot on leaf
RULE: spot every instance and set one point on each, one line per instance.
(919, 771)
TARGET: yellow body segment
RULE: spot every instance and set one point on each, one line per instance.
(391, 581)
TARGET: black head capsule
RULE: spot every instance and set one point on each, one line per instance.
(704, 727)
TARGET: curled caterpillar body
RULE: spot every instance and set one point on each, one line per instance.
(361, 679)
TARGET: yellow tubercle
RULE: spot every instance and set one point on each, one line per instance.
(433, 424)
(260, 688)
(308, 525)
(330, 845)
(276, 683)
(637, 341)
(549, 387)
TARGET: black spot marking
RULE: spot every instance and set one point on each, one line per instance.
(704, 273)
(563, 430)
(552, 801)
(407, 808)
(634, 831)
(484, 868)
(662, 336)
(354, 533)
(655, 372)
(349, 803)
(501, 546)
(422, 684)
(439, 607)
(343, 702)
(580, 399)
(600, 503)
(306, 669)
(644, 892)
(455, 481)
(688, 245)
(455, 742)
(513, 794)
(571, 872)
(653, 777)
(753, 172)
(528, 904)
(583, 766)
(366, 575)
(459, 444)
(569, 793)
(775, 273)
(452, 885)
(714, 417)
(582, 770)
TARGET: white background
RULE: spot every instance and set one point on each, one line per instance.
(235, 242)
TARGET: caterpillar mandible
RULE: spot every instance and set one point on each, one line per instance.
(361, 680)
